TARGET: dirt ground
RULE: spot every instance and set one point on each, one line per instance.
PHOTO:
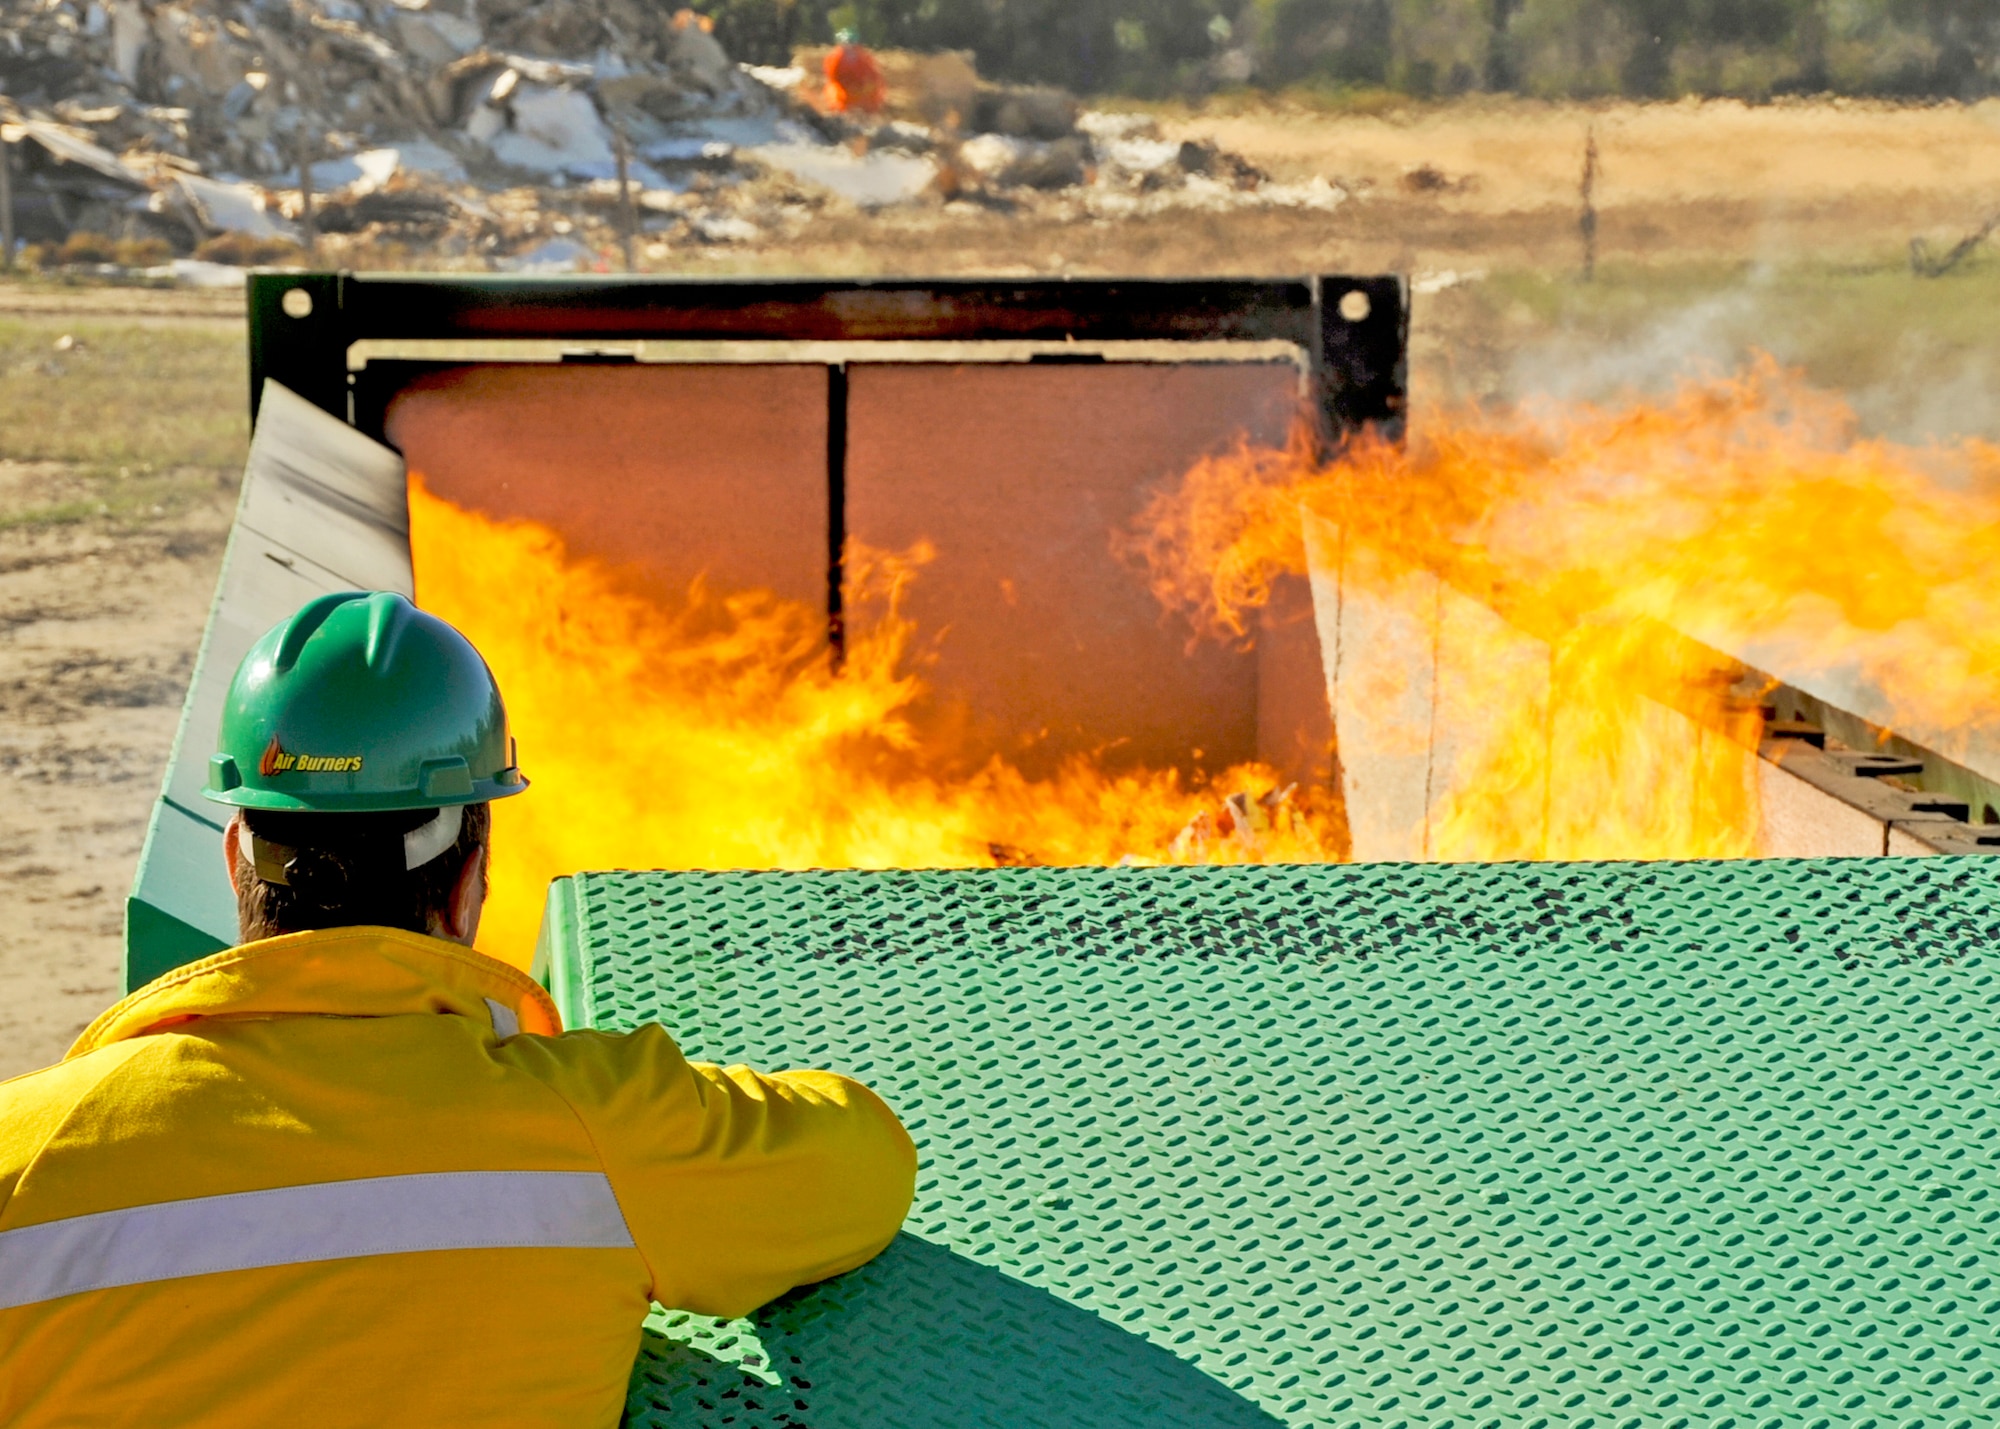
(1723, 229)
(1508, 156)
(118, 455)
(98, 629)
(1497, 182)
(1485, 183)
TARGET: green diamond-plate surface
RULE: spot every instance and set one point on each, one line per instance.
(1548, 1146)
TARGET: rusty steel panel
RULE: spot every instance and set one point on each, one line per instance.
(671, 472)
(1051, 645)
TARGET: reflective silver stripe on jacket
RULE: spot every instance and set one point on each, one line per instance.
(294, 1225)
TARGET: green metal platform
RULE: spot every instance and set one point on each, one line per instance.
(1397, 1146)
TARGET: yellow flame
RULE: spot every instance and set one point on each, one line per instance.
(1549, 565)
(1566, 555)
(713, 733)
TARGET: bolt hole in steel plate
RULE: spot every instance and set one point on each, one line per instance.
(1634, 1145)
(297, 303)
(1354, 306)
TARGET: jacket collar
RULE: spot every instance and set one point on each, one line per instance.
(340, 972)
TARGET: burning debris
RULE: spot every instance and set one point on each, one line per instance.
(1242, 819)
(536, 135)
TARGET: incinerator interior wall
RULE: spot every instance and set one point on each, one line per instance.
(1047, 643)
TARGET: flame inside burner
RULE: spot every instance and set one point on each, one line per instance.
(713, 732)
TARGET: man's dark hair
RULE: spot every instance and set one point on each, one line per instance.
(346, 870)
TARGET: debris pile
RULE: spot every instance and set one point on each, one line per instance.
(522, 134)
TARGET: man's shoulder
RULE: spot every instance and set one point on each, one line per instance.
(588, 1048)
(640, 1070)
(62, 1082)
(34, 1105)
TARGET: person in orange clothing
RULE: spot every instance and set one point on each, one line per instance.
(853, 77)
(354, 1173)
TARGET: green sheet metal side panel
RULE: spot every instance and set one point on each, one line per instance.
(180, 909)
(555, 967)
(1589, 1146)
(322, 509)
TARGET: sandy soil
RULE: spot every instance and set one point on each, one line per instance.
(1507, 156)
(99, 622)
(98, 629)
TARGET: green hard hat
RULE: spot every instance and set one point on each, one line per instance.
(362, 703)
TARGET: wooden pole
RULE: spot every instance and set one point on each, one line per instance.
(308, 226)
(6, 207)
(1587, 224)
(631, 211)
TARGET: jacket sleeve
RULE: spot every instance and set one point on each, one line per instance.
(737, 1185)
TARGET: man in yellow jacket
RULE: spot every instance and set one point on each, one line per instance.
(352, 1172)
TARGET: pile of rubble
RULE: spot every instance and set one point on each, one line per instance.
(525, 134)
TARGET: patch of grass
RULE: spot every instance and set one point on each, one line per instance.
(151, 496)
(66, 513)
(1345, 100)
(1327, 100)
(247, 252)
(144, 397)
(123, 498)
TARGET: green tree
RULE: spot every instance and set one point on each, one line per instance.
(1345, 41)
(1965, 45)
(1556, 48)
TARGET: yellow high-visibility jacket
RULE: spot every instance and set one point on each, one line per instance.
(361, 1177)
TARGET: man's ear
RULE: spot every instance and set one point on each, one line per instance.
(468, 900)
(232, 845)
(232, 859)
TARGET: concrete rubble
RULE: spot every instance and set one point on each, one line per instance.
(533, 135)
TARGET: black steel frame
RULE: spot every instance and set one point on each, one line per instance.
(1358, 366)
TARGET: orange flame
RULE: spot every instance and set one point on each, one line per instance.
(1533, 620)
(715, 734)
(1544, 570)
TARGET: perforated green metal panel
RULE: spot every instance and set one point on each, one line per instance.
(1590, 1146)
